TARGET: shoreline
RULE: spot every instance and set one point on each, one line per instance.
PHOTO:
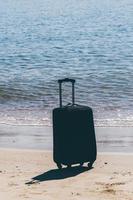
(109, 139)
(51, 151)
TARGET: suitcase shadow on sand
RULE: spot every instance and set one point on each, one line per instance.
(57, 174)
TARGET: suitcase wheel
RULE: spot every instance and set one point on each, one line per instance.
(59, 165)
(69, 166)
(90, 165)
(81, 164)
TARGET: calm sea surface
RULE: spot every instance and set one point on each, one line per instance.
(44, 40)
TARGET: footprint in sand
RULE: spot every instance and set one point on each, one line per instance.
(109, 187)
(12, 176)
(76, 194)
(126, 173)
(109, 190)
(110, 184)
(12, 184)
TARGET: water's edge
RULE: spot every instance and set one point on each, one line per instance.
(109, 139)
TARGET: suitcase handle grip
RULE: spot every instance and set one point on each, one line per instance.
(60, 81)
(66, 80)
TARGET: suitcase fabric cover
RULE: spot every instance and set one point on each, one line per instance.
(73, 133)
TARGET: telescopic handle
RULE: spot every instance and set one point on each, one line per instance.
(60, 81)
(66, 80)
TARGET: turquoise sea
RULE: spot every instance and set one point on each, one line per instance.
(42, 41)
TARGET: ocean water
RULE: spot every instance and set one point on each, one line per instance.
(42, 41)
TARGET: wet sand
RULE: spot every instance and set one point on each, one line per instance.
(109, 139)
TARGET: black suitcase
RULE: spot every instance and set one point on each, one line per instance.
(73, 133)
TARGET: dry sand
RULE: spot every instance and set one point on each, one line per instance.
(32, 174)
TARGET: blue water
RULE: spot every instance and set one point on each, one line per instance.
(89, 40)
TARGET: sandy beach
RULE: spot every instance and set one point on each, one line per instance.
(27, 170)
(32, 174)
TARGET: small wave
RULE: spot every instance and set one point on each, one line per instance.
(35, 117)
(25, 121)
(114, 122)
(44, 118)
